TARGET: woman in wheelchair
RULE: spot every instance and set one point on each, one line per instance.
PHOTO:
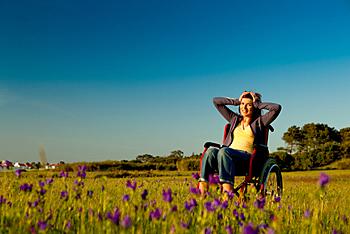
(247, 128)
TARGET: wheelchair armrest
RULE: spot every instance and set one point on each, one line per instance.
(211, 144)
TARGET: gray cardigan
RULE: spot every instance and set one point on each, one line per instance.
(258, 125)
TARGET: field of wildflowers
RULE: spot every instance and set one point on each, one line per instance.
(81, 202)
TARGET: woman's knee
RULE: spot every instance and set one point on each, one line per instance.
(211, 153)
(224, 153)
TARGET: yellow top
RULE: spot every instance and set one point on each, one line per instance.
(243, 138)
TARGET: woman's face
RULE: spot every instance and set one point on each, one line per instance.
(246, 107)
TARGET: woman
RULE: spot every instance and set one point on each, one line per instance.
(247, 129)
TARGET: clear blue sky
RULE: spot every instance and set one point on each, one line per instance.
(97, 80)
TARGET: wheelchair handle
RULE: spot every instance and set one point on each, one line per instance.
(211, 144)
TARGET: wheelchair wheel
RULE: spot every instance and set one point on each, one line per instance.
(271, 179)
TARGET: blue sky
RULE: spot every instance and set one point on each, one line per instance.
(111, 80)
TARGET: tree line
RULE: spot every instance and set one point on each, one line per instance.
(313, 145)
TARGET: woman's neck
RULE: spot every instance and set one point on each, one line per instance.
(246, 121)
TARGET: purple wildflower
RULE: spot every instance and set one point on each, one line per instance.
(41, 183)
(63, 174)
(277, 199)
(191, 204)
(220, 216)
(174, 208)
(42, 225)
(249, 229)
(209, 206)
(18, 172)
(185, 225)
(90, 193)
(167, 195)
(195, 176)
(42, 191)
(324, 179)
(126, 222)
(235, 213)
(126, 198)
(131, 185)
(214, 179)
(49, 181)
(260, 203)
(64, 194)
(144, 194)
(26, 187)
(224, 204)
(156, 214)
(102, 188)
(194, 190)
(81, 174)
(270, 231)
(115, 216)
(307, 213)
(69, 224)
(229, 230)
(2, 199)
(241, 216)
(207, 230)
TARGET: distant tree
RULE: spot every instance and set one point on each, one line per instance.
(145, 158)
(177, 154)
(345, 142)
(293, 138)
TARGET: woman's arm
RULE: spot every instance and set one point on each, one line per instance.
(273, 111)
(220, 104)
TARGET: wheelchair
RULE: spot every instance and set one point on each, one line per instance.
(260, 170)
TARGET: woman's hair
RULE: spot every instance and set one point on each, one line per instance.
(256, 112)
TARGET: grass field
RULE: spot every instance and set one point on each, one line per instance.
(37, 202)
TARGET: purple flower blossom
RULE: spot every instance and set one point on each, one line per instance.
(214, 179)
(64, 194)
(42, 191)
(229, 230)
(102, 188)
(249, 229)
(224, 204)
(241, 216)
(126, 198)
(235, 213)
(270, 231)
(126, 222)
(277, 199)
(144, 194)
(195, 176)
(63, 174)
(174, 208)
(2, 200)
(191, 204)
(307, 213)
(156, 214)
(114, 217)
(131, 185)
(207, 230)
(185, 225)
(194, 190)
(49, 181)
(69, 224)
(90, 193)
(324, 179)
(220, 216)
(18, 172)
(209, 206)
(42, 225)
(167, 195)
(260, 203)
(26, 187)
(41, 183)
(81, 174)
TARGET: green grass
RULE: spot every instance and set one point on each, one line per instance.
(304, 207)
